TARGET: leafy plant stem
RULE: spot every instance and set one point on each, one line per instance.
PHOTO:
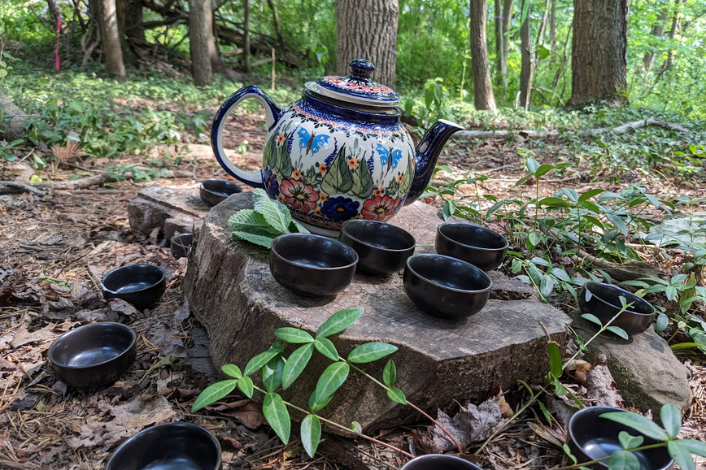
(412, 405)
(341, 427)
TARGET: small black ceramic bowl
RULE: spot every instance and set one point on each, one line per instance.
(591, 437)
(182, 446)
(439, 462)
(382, 248)
(471, 243)
(213, 191)
(446, 287)
(142, 285)
(93, 355)
(181, 244)
(312, 265)
(603, 301)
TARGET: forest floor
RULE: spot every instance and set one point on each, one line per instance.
(54, 250)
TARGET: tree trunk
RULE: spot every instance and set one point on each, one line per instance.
(657, 31)
(599, 52)
(130, 26)
(54, 12)
(499, 39)
(552, 28)
(526, 52)
(200, 28)
(111, 39)
(367, 29)
(507, 22)
(676, 26)
(246, 36)
(482, 86)
(275, 21)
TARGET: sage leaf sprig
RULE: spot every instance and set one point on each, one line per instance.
(267, 220)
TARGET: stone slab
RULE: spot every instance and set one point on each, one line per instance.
(232, 293)
(645, 370)
(155, 205)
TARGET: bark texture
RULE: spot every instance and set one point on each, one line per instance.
(367, 29)
(246, 35)
(111, 39)
(482, 86)
(526, 55)
(599, 52)
(200, 29)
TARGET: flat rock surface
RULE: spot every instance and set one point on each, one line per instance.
(171, 210)
(232, 293)
(645, 370)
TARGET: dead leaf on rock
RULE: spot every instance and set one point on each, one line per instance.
(183, 312)
(248, 412)
(164, 337)
(23, 336)
(578, 369)
(121, 306)
(602, 388)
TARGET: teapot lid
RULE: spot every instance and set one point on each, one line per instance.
(357, 88)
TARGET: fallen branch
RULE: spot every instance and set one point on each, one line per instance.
(17, 187)
(82, 183)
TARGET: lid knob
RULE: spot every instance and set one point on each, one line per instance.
(361, 69)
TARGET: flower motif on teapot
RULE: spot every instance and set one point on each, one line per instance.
(328, 171)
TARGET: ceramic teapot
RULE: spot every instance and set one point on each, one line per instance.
(338, 153)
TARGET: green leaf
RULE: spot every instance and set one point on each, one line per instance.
(559, 388)
(339, 321)
(389, 373)
(555, 363)
(590, 193)
(315, 405)
(213, 393)
(670, 417)
(260, 240)
(327, 348)
(637, 422)
(695, 447)
(670, 292)
(618, 222)
(662, 323)
(545, 412)
(397, 395)
(543, 169)
(295, 364)
(310, 433)
(618, 331)
(277, 415)
(369, 352)
(247, 217)
(534, 238)
(331, 380)
(681, 455)
(623, 460)
(553, 202)
(592, 318)
(356, 427)
(567, 451)
(338, 179)
(276, 217)
(272, 373)
(532, 165)
(293, 335)
(628, 442)
(232, 370)
(257, 362)
(245, 385)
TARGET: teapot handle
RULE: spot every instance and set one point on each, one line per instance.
(272, 115)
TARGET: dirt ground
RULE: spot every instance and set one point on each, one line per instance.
(54, 249)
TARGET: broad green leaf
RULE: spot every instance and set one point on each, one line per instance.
(670, 417)
(662, 323)
(257, 362)
(213, 393)
(546, 286)
(560, 274)
(532, 165)
(245, 385)
(543, 169)
(296, 227)
(545, 412)
(272, 373)
(369, 352)
(695, 447)
(534, 238)
(681, 455)
(246, 217)
(559, 388)
(623, 460)
(232, 370)
(618, 331)
(293, 335)
(628, 442)
(252, 238)
(356, 427)
(296, 363)
(315, 405)
(277, 415)
(590, 193)
(331, 380)
(555, 362)
(552, 202)
(276, 217)
(310, 433)
(397, 395)
(592, 318)
(389, 373)
(567, 451)
(338, 179)
(339, 321)
(326, 347)
(637, 422)
(618, 222)
(670, 292)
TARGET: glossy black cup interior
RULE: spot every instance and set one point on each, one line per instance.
(382, 248)
(591, 437)
(213, 191)
(173, 446)
(480, 246)
(312, 265)
(180, 245)
(439, 462)
(603, 301)
(93, 355)
(446, 287)
(142, 285)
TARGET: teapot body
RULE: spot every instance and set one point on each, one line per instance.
(330, 163)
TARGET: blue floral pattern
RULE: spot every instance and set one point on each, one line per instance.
(340, 208)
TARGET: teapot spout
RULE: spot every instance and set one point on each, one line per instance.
(428, 152)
